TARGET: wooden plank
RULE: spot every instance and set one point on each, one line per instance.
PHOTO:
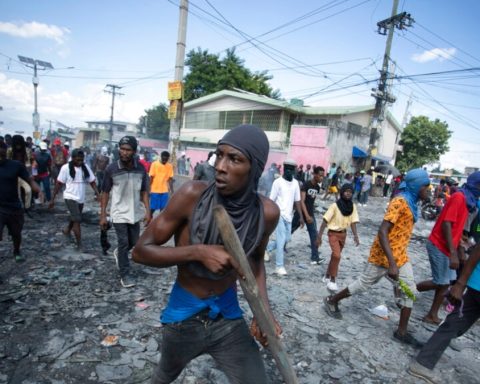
(250, 289)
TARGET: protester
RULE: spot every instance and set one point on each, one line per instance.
(366, 181)
(203, 314)
(334, 186)
(339, 216)
(11, 212)
(308, 193)
(286, 194)
(127, 181)
(74, 176)
(388, 255)
(206, 170)
(161, 182)
(387, 184)
(43, 162)
(59, 156)
(100, 163)
(465, 315)
(444, 240)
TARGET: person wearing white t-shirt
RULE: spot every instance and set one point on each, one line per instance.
(286, 194)
(388, 182)
(74, 176)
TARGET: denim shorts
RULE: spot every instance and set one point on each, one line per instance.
(440, 264)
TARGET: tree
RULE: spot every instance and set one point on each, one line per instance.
(208, 73)
(155, 122)
(423, 141)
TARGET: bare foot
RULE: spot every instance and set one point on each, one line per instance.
(66, 232)
(432, 320)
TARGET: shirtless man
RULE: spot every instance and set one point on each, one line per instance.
(203, 314)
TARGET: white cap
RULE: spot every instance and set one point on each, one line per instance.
(43, 146)
(290, 162)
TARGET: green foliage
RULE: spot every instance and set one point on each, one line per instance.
(208, 73)
(424, 141)
(156, 122)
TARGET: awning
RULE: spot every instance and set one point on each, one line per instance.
(358, 152)
(382, 158)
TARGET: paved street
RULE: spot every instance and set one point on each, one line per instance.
(58, 307)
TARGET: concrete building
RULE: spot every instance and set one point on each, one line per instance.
(97, 133)
(310, 135)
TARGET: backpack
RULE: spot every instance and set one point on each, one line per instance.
(59, 157)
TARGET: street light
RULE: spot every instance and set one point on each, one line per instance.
(36, 65)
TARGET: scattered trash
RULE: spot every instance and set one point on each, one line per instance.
(110, 341)
(380, 311)
(142, 305)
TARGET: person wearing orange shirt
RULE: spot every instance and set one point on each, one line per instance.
(388, 255)
(161, 182)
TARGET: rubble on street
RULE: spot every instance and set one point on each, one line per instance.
(64, 317)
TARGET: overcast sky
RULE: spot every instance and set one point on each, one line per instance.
(327, 52)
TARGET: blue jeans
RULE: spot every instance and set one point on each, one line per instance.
(283, 234)
(312, 232)
(45, 182)
(364, 197)
(228, 341)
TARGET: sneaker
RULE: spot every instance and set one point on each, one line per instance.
(408, 338)
(325, 279)
(317, 262)
(19, 258)
(266, 257)
(115, 255)
(280, 271)
(418, 370)
(127, 281)
(332, 286)
(332, 309)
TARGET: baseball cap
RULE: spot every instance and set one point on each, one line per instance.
(43, 146)
(290, 162)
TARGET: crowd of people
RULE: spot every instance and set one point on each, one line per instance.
(203, 313)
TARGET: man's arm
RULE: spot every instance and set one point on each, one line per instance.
(447, 234)
(93, 184)
(307, 217)
(150, 250)
(170, 185)
(146, 203)
(298, 207)
(355, 234)
(318, 242)
(58, 186)
(383, 232)
(104, 197)
(456, 292)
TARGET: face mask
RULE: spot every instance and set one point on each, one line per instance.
(288, 173)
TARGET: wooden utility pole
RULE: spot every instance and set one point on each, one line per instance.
(177, 104)
(113, 91)
(381, 93)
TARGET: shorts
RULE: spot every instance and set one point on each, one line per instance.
(440, 265)
(372, 275)
(333, 189)
(158, 200)
(75, 209)
(13, 220)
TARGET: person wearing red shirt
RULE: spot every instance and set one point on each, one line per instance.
(444, 240)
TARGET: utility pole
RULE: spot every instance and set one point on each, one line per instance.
(177, 103)
(113, 91)
(381, 94)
